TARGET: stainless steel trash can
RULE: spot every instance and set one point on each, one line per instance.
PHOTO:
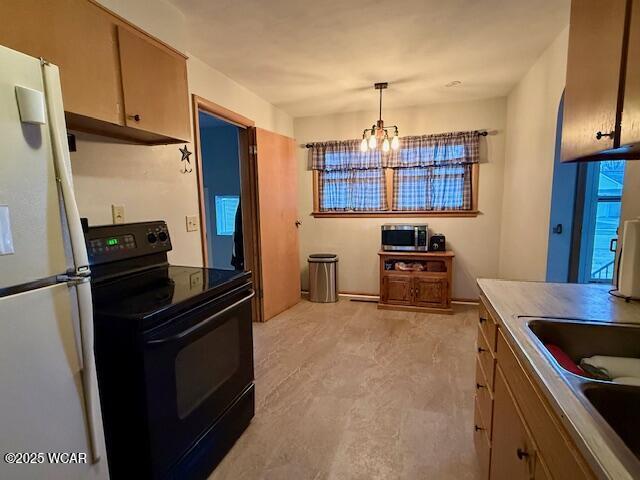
(323, 277)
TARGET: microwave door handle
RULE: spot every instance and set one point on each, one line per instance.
(202, 324)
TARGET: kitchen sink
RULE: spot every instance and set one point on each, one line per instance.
(618, 405)
(585, 339)
(614, 407)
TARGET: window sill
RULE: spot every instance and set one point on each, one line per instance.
(405, 213)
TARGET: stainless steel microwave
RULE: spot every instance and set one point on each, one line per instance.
(405, 237)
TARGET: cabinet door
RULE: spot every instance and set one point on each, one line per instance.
(593, 77)
(154, 83)
(430, 292)
(630, 132)
(397, 289)
(78, 37)
(513, 456)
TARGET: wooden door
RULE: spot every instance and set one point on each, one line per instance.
(592, 92)
(397, 289)
(78, 37)
(278, 214)
(630, 132)
(513, 454)
(430, 292)
(154, 84)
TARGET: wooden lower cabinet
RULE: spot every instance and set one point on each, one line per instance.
(513, 449)
(524, 438)
(430, 292)
(397, 290)
(419, 281)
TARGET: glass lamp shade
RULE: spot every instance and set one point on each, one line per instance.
(372, 142)
(395, 142)
(385, 145)
(363, 145)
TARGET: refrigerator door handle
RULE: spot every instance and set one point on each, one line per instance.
(89, 378)
(62, 161)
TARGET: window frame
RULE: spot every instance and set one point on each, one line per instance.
(388, 175)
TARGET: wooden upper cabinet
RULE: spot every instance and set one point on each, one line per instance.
(630, 132)
(106, 66)
(592, 95)
(154, 83)
(79, 38)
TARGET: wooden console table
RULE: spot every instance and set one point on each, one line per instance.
(425, 288)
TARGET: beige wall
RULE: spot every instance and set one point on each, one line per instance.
(532, 107)
(357, 240)
(147, 180)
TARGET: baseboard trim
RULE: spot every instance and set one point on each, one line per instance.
(372, 297)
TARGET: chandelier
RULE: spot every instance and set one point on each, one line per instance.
(378, 134)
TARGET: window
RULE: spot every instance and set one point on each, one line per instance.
(226, 207)
(429, 175)
(603, 195)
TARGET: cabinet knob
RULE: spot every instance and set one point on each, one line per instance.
(479, 386)
(599, 135)
(477, 428)
(480, 349)
(135, 117)
(482, 320)
(522, 454)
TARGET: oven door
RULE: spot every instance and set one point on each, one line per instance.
(195, 368)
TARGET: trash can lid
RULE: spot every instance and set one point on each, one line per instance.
(323, 257)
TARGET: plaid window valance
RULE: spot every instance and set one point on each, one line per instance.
(343, 155)
(430, 172)
(439, 150)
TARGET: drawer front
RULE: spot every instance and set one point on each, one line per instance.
(482, 445)
(488, 325)
(484, 398)
(485, 357)
(553, 442)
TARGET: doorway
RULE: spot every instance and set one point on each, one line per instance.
(220, 159)
(227, 191)
(584, 220)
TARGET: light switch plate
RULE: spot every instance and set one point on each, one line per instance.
(192, 223)
(117, 213)
(6, 239)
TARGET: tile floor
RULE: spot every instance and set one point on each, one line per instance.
(347, 391)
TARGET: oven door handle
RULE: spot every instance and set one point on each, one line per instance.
(202, 324)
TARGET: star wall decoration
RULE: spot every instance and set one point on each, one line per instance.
(185, 159)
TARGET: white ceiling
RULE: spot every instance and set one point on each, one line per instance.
(311, 58)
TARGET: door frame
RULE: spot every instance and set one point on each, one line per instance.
(248, 189)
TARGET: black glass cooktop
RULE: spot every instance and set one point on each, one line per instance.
(162, 289)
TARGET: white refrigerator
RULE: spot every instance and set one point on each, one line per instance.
(49, 401)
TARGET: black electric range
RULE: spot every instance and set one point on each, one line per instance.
(174, 354)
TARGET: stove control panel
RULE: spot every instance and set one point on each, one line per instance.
(110, 243)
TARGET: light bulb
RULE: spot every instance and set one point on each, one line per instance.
(385, 144)
(395, 142)
(372, 141)
(363, 145)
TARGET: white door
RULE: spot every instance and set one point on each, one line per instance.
(30, 217)
(42, 399)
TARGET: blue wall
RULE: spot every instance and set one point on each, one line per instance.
(221, 176)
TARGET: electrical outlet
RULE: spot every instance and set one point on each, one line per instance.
(192, 223)
(117, 213)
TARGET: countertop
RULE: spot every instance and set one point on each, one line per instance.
(512, 300)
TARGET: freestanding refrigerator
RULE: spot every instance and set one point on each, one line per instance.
(49, 401)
